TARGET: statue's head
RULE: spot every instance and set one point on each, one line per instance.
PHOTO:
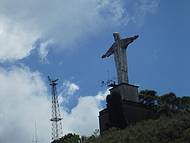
(116, 36)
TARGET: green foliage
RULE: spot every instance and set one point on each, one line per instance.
(91, 138)
(69, 138)
(174, 129)
(148, 97)
(166, 103)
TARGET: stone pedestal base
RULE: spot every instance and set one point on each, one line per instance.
(123, 108)
(127, 91)
(133, 112)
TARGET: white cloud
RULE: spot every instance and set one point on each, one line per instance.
(83, 118)
(64, 22)
(69, 88)
(116, 9)
(142, 8)
(15, 40)
(24, 100)
(43, 50)
(66, 93)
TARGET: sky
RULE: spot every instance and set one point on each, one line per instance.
(65, 40)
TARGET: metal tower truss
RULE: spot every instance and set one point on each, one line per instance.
(56, 116)
(35, 139)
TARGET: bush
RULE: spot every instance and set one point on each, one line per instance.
(173, 129)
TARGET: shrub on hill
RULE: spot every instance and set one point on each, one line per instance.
(173, 129)
(69, 138)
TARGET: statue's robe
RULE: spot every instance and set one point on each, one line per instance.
(119, 48)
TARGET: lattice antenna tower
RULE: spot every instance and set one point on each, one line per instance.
(56, 116)
(35, 139)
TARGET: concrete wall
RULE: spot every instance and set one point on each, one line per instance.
(133, 112)
(104, 122)
(127, 91)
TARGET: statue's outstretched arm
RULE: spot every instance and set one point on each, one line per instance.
(125, 42)
(131, 39)
(110, 51)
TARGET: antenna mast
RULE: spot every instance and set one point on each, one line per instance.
(56, 116)
(109, 82)
(35, 140)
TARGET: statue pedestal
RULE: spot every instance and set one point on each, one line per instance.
(127, 91)
(133, 112)
(123, 108)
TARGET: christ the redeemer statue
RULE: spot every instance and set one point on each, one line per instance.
(119, 48)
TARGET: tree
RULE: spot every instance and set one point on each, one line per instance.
(69, 138)
(169, 100)
(185, 103)
(148, 97)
